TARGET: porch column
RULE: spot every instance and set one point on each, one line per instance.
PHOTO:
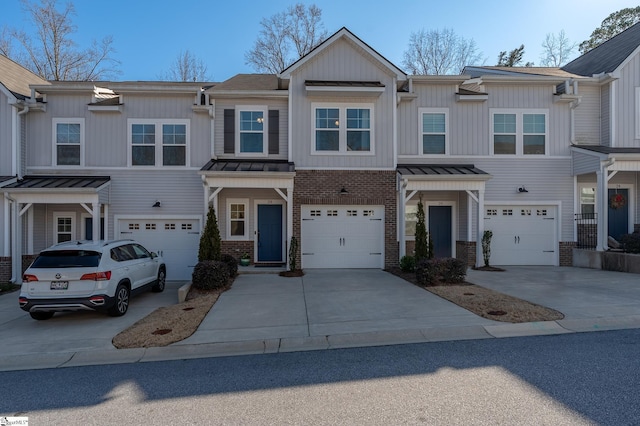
(105, 228)
(401, 224)
(16, 243)
(479, 261)
(96, 222)
(603, 216)
(289, 222)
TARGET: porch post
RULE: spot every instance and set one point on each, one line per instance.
(603, 216)
(105, 229)
(480, 227)
(96, 222)
(16, 237)
(401, 218)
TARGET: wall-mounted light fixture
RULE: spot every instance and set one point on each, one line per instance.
(343, 191)
(156, 204)
(522, 189)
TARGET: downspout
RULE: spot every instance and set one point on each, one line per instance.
(573, 105)
(18, 154)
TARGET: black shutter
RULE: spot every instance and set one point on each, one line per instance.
(274, 131)
(229, 131)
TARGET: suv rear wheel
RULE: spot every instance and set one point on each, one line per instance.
(122, 301)
(160, 282)
(41, 315)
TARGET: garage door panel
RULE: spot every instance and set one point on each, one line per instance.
(342, 236)
(522, 235)
(176, 240)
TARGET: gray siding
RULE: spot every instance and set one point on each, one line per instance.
(347, 62)
(605, 116)
(280, 105)
(583, 163)
(587, 116)
(6, 127)
(625, 104)
(105, 133)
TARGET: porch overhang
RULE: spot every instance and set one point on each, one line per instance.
(442, 177)
(248, 174)
(59, 189)
(589, 159)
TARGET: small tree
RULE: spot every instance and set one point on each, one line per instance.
(422, 238)
(486, 246)
(210, 243)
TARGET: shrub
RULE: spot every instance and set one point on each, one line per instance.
(486, 246)
(210, 275)
(293, 252)
(631, 242)
(453, 270)
(422, 239)
(210, 243)
(408, 263)
(432, 271)
(232, 264)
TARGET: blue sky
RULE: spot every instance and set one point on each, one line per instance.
(148, 35)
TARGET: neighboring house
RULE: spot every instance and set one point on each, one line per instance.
(336, 151)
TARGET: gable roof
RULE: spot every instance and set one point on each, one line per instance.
(344, 33)
(16, 79)
(248, 82)
(608, 56)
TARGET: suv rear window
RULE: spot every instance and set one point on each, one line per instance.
(67, 259)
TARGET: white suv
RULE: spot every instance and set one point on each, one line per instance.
(83, 275)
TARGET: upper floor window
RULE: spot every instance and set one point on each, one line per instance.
(345, 129)
(69, 141)
(519, 132)
(252, 130)
(158, 142)
(433, 130)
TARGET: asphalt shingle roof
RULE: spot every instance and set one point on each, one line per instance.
(17, 78)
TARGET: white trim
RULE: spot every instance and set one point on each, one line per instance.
(158, 122)
(342, 128)
(54, 132)
(245, 203)
(263, 202)
(83, 217)
(613, 120)
(421, 133)
(519, 134)
(491, 157)
(63, 214)
(265, 130)
(637, 113)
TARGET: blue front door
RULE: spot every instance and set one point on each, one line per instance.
(269, 233)
(88, 228)
(440, 230)
(618, 213)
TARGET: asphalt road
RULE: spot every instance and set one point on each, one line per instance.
(586, 378)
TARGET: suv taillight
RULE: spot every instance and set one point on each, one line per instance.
(97, 276)
(27, 278)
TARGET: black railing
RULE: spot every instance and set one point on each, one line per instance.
(587, 230)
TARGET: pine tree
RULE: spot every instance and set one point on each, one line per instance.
(422, 239)
(210, 243)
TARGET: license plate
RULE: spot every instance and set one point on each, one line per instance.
(59, 285)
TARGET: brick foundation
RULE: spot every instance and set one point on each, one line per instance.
(566, 252)
(5, 269)
(366, 187)
(237, 248)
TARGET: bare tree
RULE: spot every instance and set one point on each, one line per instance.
(439, 52)
(298, 29)
(513, 58)
(611, 26)
(49, 50)
(556, 50)
(187, 67)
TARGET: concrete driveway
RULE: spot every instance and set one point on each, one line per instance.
(72, 331)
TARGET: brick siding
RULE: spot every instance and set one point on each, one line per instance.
(566, 252)
(237, 248)
(367, 187)
(466, 251)
(5, 269)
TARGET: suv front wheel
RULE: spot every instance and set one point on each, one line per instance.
(121, 304)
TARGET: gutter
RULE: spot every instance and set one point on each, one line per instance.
(8, 243)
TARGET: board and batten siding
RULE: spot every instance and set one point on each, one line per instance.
(469, 129)
(232, 104)
(605, 115)
(626, 104)
(6, 130)
(343, 61)
(587, 116)
(106, 133)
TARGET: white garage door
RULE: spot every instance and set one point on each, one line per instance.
(522, 235)
(342, 236)
(176, 240)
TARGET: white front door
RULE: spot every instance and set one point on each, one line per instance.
(342, 236)
(176, 240)
(522, 235)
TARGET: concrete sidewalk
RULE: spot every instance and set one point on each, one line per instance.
(325, 309)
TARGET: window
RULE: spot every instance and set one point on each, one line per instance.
(64, 227)
(237, 219)
(587, 200)
(345, 129)
(68, 134)
(158, 142)
(519, 132)
(433, 130)
(410, 221)
(252, 131)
